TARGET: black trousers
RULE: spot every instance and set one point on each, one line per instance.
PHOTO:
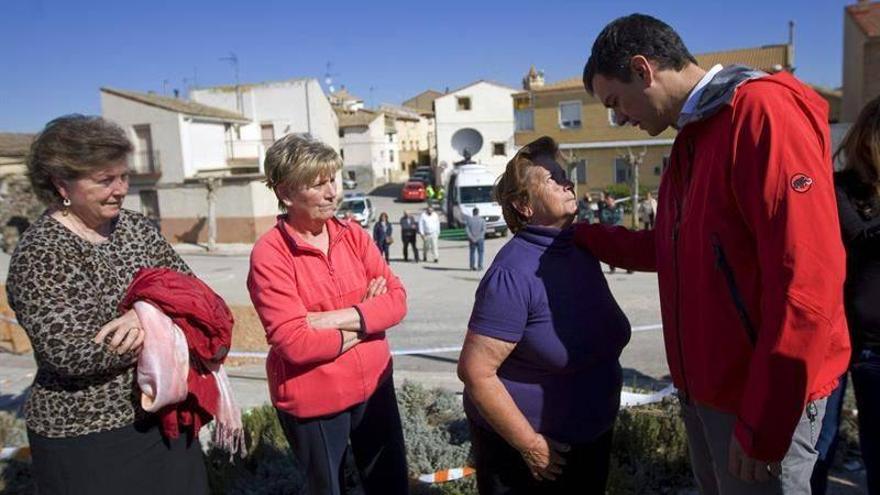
(409, 240)
(359, 450)
(502, 470)
(131, 460)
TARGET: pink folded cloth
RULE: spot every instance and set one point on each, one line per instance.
(163, 365)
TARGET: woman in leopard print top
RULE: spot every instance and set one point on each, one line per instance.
(71, 268)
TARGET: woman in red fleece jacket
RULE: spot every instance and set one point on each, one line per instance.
(326, 297)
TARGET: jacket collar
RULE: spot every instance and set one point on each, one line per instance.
(335, 229)
(718, 92)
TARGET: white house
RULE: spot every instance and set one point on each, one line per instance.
(477, 118)
(415, 136)
(370, 148)
(274, 109)
(179, 145)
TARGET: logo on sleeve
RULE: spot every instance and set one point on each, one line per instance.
(801, 183)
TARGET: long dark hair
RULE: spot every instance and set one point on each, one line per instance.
(860, 151)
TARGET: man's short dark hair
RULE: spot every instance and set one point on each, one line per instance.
(626, 37)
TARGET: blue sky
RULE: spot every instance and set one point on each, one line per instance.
(55, 54)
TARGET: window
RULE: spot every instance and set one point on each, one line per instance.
(146, 157)
(390, 138)
(570, 115)
(342, 133)
(391, 156)
(525, 119)
(463, 103)
(267, 133)
(612, 118)
(342, 153)
(622, 171)
(580, 171)
(499, 149)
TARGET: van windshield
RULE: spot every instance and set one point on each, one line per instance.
(476, 194)
(354, 206)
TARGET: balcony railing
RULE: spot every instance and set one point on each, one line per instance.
(238, 149)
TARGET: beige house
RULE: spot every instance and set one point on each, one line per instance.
(594, 145)
(861, 57)
(415, 136)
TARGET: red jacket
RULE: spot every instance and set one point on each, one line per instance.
(751, 183)
(206, 322)
(308, 376)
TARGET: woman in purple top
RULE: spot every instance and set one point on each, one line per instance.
(540, 360)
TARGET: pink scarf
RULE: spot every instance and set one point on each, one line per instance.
(162, 371)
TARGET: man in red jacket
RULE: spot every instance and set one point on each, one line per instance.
(747, 249)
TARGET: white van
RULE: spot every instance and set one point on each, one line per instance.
(470, 186)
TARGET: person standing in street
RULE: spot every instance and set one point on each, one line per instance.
(409, 228)
(585, 208)
(747, 249)
(648, 211)
(429, 230)
(475, 227)
(610, 214)
(382, 236)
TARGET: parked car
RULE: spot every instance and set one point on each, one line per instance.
(413, 190)
(349, 183)
(360, 206)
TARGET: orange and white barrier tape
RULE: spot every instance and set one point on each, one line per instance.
(447, 475)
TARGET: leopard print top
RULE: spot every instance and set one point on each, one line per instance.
(63, 289)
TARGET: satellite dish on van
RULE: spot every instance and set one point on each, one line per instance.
(467, 143)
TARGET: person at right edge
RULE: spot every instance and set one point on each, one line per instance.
(858, 200)
(747, 249)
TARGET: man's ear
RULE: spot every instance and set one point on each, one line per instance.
(642, 70)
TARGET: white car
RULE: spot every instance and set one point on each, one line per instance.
(361, 209)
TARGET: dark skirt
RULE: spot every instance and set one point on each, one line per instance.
(131, 460)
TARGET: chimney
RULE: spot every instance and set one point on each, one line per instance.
(790, 47)
(533, 80)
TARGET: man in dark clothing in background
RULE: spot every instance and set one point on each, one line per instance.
(408, 230)
(475, 227)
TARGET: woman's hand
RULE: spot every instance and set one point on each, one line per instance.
(376, 287)
(544, 457)
(127, 334)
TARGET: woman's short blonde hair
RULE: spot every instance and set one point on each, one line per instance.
(511, 189)
(71, 147)
(296, 161)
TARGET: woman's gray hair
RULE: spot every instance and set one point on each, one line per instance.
(295, 161)
(70, 147)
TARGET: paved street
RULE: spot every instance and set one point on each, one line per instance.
(439, 298)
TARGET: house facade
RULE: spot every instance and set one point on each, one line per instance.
(415, 136)
(370, 147)
(597, 149)
(273, 109)
(179, 146)
(477, 118)
(861, 57)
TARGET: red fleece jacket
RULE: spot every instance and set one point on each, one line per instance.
(753, 182)
(308, 376)
(206, 322)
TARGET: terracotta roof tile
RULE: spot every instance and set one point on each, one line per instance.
(866, 16)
